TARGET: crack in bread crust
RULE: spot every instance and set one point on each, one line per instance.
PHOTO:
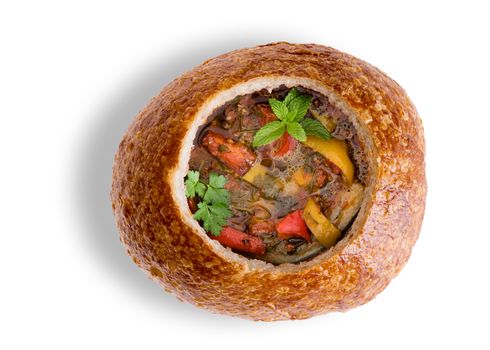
(163, 239)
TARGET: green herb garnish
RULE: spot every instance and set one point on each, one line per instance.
(213, 209)
(216, 193)
(315, 128)
(291, 113)
(193, 185)
(213, 216)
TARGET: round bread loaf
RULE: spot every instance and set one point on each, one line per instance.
(163, 239)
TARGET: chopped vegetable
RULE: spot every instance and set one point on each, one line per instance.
(323, 230)
(326, 120)
(262, 227)
(237, 157)
(261, 212)
(267, 162)
(293, 225)
(302, 178)
(255, 171)
(290, 188)
(239, 240)
(321, 177)
(250, 122)
(349, 203)
(192, 203)
(267, 114)
(336, 152)
(284, 145)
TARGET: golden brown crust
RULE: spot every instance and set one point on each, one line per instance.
(161, 242)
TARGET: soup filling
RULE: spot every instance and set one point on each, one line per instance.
(277, 175)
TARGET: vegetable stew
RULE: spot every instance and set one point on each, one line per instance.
(277, 175)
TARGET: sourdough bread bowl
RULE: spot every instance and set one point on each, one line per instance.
(163, 238)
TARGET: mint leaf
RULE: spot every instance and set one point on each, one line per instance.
(289, 112)
(299, 105)
(279, 108)
(293, 93)
(268, 133)
(290, 116)
(315, 128)
(296, 130)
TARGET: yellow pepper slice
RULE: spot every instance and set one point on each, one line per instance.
(336, 152)
(301, 177)
(256, 170)
(323, 230)
(326, 120)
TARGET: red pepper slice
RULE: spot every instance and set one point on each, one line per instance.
(293, 225)
(284, 145)
(229, 237)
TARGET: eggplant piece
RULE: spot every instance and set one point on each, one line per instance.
(347, 206)
(278, 254)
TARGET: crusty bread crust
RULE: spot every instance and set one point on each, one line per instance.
(162, 238)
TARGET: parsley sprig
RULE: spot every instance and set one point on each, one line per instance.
(290, 114)
(213, 209)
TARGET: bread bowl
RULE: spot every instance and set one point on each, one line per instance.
(159, 229)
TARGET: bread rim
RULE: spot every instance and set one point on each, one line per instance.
(164, 240)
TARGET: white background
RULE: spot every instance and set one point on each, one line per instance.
(72, 76)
